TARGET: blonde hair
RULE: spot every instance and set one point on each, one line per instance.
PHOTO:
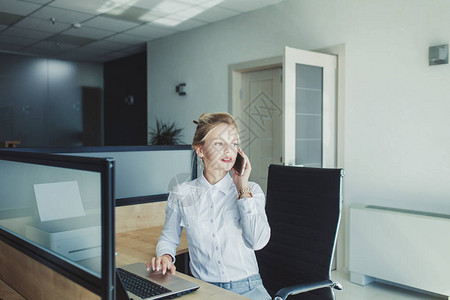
(207, 122)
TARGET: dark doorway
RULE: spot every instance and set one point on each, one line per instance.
(92, 116)
(125, 100)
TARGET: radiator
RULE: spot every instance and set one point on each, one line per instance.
(405, 247)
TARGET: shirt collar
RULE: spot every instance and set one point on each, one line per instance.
(222, 185)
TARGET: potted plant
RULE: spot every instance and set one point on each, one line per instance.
(165, 134)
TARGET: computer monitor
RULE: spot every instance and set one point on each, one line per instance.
(59, 210)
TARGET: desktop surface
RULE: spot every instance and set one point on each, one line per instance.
(140, 245)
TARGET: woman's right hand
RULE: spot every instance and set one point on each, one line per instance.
(162, 263)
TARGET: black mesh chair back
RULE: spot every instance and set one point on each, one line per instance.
(303, 208)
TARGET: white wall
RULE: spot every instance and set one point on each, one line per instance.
(397, 136)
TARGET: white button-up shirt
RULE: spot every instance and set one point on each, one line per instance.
(222, 231)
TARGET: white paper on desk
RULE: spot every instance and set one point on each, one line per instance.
(58, 200)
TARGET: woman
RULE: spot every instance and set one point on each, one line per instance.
(223, 215)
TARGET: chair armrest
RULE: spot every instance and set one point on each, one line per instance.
(305, 287)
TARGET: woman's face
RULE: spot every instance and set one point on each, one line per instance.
(220, 148)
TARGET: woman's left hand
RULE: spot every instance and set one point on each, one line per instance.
(241, 182)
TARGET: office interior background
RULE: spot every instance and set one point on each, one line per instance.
(392, 119)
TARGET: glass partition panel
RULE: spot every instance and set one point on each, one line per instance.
(142, 173)
(56, 208)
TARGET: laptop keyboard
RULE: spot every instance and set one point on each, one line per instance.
(140, 286)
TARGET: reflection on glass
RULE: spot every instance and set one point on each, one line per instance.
(55, 208)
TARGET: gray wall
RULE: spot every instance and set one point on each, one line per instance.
(40, 99)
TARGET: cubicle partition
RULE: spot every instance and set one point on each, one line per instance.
(144, 174)
(58, 212)
(57, 218)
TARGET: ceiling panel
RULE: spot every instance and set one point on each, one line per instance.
(128, 39)
(215, 14)
(105, 29)
(61, 15)
(246, 6)
(9, 19)
(133, 14)
(108, 45)
(42, 25)
(94, 7)
(17, 7)
(17, 40)
(170, 7)
(149, 5)
(51, 47)
(152, 31)
(70, 39)
(38, 1)
(91, 33)
(188, 24)
(197, 2)
(109, 24)
(26, 33)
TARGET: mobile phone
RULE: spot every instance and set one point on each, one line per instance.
(239, 164)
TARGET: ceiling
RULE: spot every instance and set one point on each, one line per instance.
(103, 30)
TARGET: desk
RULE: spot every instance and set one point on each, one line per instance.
(140, 245)
(6, 292)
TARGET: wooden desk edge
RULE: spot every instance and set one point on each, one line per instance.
(8, 292)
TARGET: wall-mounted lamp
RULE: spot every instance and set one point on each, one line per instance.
(129, 100)
(181, 89)
(438, 55)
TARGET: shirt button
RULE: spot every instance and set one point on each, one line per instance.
(217, 248)
(219, 262)
(212, 220)
(213, 235)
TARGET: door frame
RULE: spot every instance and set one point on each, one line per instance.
(235, 76)
(341, 255)
(234, 86)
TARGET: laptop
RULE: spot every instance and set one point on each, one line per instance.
(135, 282)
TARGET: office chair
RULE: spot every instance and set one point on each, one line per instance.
(303, 208)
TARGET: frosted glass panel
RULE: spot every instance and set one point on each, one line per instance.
(34, 205)
(309, 77)
(308, 122)
(309, 127)
(309, 101)
(309, 153)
